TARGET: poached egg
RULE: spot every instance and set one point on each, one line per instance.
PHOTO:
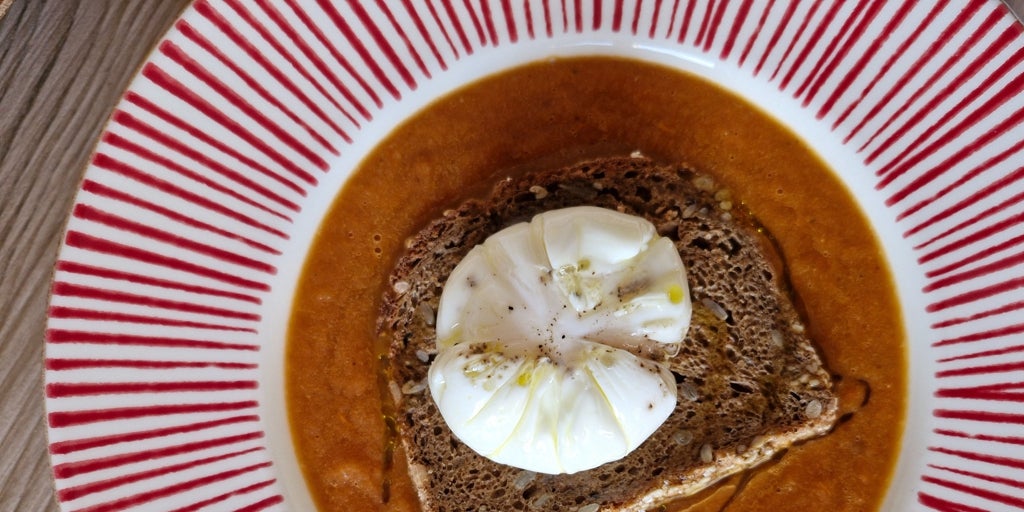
(551, 340)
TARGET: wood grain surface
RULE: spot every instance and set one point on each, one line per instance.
(63, 66)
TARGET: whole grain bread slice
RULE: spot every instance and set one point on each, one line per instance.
(749, 380)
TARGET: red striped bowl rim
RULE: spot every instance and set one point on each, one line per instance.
(172, 288)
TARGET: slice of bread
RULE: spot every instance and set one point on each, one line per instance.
(749, 380)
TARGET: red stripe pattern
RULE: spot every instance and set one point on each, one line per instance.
(166, 276)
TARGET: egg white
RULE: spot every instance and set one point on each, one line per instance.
(540, 333)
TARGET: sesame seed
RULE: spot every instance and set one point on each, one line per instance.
(540, 500)
(523, 479)
(422, 355)
(395, 390)
(813, 409)
(704, 183)
(715, 308)
(682, 437)
(426, 312)
(413, 387)
(707, 454)
(689, 392)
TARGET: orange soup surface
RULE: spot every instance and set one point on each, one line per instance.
(556, 113)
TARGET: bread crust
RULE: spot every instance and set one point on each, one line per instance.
(749, 380)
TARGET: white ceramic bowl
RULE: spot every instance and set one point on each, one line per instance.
(164, 382)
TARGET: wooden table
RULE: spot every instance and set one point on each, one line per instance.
(63, 66)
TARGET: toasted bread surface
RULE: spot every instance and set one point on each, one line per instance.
(749, 379)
